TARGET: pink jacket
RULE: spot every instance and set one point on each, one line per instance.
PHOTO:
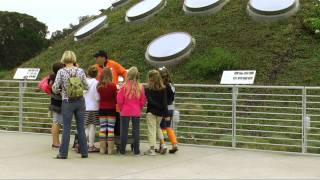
(131, 107)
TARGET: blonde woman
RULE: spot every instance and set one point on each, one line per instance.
(107, 111)
(71, 105)
(157, 108)
(131, 99)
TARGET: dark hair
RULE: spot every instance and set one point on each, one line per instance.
(165, 75)
(101, 53)
(55, 68)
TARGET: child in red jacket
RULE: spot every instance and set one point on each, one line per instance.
(107, 111)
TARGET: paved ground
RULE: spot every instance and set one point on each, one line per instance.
(30, 156)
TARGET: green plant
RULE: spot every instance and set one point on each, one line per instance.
(212, 63)
(313, 25)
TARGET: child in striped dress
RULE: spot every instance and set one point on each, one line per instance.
(92, 107)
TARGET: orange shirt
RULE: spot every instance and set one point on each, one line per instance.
(116, 68)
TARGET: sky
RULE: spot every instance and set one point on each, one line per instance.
(56, 14)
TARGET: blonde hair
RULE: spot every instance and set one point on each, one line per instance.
(135, 88)
(68, 57)
(155, 81)
(106, 77)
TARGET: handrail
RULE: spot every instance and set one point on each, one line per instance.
(235, 116)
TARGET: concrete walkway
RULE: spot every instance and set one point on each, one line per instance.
(30, 156)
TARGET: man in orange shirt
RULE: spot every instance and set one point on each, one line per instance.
(102, 61)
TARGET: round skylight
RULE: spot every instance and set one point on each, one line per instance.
(90, 27)
(170, 49)
(117, 3)
(144, 9)
(203, 6)
(272, 8)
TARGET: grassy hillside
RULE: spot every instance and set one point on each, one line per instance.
(282, 52)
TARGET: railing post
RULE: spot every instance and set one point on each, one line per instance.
(21, 92)
(234, 116)
(304, 112)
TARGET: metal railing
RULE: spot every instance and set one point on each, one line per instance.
(276, 118)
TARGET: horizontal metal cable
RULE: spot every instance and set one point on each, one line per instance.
(271, 144)
(267, 119)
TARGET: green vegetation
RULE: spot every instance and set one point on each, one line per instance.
(212, 63)
(283, 52)
(21, 38)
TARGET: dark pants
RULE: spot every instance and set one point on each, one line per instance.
(124, 125)
(167, 123)
(70, 108)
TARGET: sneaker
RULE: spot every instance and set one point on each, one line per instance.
(137, 155)
(60, 157)
(163, 149)
(55, 146)
(158, 150)
(173, 150)
(150, 152)
(84, 156)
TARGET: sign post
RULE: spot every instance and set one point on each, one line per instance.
(236, 78)
(23, 74)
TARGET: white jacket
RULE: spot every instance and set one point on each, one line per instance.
(91, 95)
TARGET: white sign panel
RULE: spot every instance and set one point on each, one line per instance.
(238, 77)
(27, 73)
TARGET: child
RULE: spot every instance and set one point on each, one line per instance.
(107, 111)
(55, 107)
(166, 122)
(92, 107)
(131, 99)
(157, 108)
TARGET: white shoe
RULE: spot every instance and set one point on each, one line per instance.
(163, 149)
(150, 152)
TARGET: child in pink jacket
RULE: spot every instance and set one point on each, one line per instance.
(131, 100)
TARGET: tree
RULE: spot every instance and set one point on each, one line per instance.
(21, 38)
(55, 36)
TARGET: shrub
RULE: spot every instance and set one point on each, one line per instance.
(212, 63)
(313, 25)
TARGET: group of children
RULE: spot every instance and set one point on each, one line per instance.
(105, 101)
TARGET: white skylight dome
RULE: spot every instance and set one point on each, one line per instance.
(144, 9)
(195, 7)
(170, 49)
(272, 9)
(91, 27)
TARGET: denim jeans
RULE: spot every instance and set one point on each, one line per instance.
(70, 108)
(124, 125)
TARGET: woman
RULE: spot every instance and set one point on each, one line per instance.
(69, 79)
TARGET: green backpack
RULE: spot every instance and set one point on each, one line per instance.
(75, 87)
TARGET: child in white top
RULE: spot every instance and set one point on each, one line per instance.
(92, 108)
